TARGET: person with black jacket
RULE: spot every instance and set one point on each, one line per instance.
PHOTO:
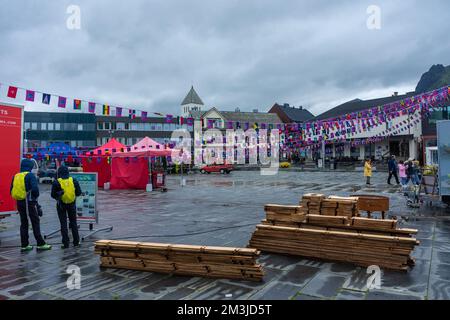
(65, 190)
(25, 190)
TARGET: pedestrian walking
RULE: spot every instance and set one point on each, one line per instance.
(25, 190)
(402, 173)
(368, 170)
(393, 169)
(65, 189)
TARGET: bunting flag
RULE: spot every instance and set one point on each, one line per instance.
(106, 110)
(29, 95)
(169, 118)
(77, 104)
(46, 98)
(118, 111)
(180, 121)
(61, 102)
(144, 115)
(12, 92)
(91, 107)
(190, 121)
(132, 114)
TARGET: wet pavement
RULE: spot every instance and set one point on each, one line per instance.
(223, 210)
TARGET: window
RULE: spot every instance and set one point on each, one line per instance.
(80, 127)
(107, 125)
(44, 126)
(120, 126)
(100, 125)
(57, 126)
(134, 126)
(166, 127)
(159, 127)
(27, 125)
(50, 126)
(73, 143)
(89, 127)
(34, 126)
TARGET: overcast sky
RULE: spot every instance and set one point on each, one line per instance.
(237, 53)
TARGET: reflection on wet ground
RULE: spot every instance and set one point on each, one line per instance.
(223, 210)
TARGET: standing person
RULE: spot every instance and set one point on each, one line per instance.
(25, 190)
(402, 174)
(65, 190)
(368, 170)
(393, 168)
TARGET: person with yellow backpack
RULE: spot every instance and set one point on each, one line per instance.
(25, 190)
(65, 190)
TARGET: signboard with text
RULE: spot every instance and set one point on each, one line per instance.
(11, 133)
(87, 202)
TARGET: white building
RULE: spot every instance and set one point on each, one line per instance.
(403, 143)
(191, 102)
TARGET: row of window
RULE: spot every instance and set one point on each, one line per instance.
(72, 143)
(129, 141)
(123, 126)
(50, 126)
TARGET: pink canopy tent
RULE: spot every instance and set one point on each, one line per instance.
(131, 169)
(147, 147)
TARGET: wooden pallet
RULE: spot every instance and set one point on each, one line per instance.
(217, 262)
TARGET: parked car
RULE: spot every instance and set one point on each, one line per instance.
(222, 168)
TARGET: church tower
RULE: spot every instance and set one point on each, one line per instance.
(191, 102)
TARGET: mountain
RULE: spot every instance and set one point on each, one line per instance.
(437, 77)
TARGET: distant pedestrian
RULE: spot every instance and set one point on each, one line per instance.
(393, 169)
(368, 170)
(65, 190)
(402, 173)
(25, 190)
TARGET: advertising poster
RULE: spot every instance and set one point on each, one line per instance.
(87, 202)
(443, 135)
(11, 131)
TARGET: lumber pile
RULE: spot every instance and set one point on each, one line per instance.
(202, 261)
(312, 201)
(358, 248)
(285, 215)
(330, 228)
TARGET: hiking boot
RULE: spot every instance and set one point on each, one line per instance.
(77, 245)
(27, 248)
(44, 247)
(63, 246)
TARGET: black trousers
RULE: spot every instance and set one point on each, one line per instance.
(68, 211)
(393, 173)
(24, 225)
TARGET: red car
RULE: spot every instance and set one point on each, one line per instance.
(222, 168)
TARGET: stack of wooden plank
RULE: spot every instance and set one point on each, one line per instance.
(328, 221)
(346, 206)
(391, 252)
(284, 215)
(328, 207)
(218, 262)
(312, 201)
(374, 224)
